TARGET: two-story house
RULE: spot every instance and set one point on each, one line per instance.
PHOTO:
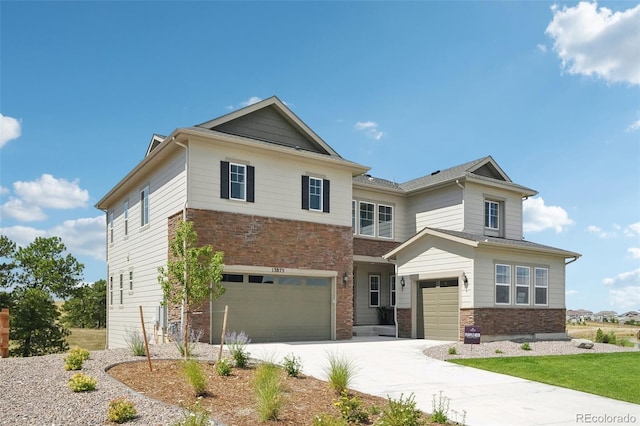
(314, 246)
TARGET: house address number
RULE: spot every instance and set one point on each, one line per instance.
(276, 269)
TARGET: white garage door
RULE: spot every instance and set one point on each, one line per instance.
(275, 308)
(440, 309)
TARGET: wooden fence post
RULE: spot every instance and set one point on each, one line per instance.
(4, 333)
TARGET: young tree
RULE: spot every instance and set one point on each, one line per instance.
(34, 324)
(192, 275)
(88, 307)
(7, 250)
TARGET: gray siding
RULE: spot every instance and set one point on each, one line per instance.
(442, 208)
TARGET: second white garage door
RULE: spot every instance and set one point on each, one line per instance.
(440, 309)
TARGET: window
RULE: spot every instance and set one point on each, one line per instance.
(126, 217)
(315, 194)
(491, 214)
(367, 224)
(503, 284)
(232, 278)
(121, 288)
(110, 290)
(542, 285)
(110, 227)
(130, 280)
(392, 289)
(237, 181)
(523, 281)
(353, 216)
(374, 290)
(144, 206)
(385, 221)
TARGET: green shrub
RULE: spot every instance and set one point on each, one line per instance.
(292, 365)
(223, 367)
(440, 407)
(237, 343)
(351, 408)
(610, 338)
(194, 416)
(80, 352)
(121, 410)
(81, 382)
(75, 359)
(599, 336)
(134, 342)
(328, 420)
(268, 389)
(452, 351)
(401, 412)
(525, 346)
(340, 370)
(196, 377)
(498, 351)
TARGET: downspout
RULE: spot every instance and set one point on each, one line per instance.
(106, 243)
(572, 260)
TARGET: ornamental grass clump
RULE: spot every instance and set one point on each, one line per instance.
(340, 370)
(237, 343)
(121, 410)
(81, 382)
(267, 384)
(134, 342)
(195, 376)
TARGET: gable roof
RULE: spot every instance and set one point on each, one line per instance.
(475, 240)
(270, 120)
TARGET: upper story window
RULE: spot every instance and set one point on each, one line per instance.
(491, 214)
(126, 217)
(144, 206)
(353, 217)
(385, 221)
(541, 286)
(503, 284)
(315, 194)
(367, 220)
(237, 181)
(111, 227)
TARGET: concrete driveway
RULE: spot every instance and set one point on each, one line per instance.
(390, 367)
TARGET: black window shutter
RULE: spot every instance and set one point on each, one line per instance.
(224, 179)
(325, 195)
(251, 192)
(305, 192)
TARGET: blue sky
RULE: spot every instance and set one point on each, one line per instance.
(550, 90)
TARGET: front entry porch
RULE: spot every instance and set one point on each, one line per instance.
(374, 296)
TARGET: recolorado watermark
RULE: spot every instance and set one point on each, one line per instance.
(605, 419)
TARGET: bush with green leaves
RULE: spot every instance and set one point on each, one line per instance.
(325, 419)
(267, 385)
(599, 336)
(75, 358)
(401, 412)
(134, 342)
(237, 344)
(195, 376)
(194, 416)
(81, 382)
(292, 365)
(339, 370)
(223, 367)
(525, 346)
(453, 351)
(350, 408)
(121, 410)
(440, 407)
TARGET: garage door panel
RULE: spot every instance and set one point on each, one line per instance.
(440, 312)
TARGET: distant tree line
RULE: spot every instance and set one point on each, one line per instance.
(31, 279)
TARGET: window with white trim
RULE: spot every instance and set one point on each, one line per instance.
(315, 194)
(121, 288)
(353, 217)
(111, 290)
(111, 226)
(385, 221)
(523, 284)
(126, 217)
(374, 290)
(541, 286)
(130, 280)
(392, 290)
(144, 206)
(367, 222)
(491, 214)
(237, 186)
(503, 284)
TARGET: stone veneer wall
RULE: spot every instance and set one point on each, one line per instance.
(264, 241)
(513, 322)
(404, 323)
(371, 247)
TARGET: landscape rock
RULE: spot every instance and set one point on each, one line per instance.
(582, 343)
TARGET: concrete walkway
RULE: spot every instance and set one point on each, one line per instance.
(390, 367)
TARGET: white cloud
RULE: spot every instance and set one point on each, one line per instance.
(542, 48)
(625, 298)
(596, 41)
(538, 216)
(632, 230)
(10, 129)
(252, 100)
(19, 210)
(634, 126)
(84, 236)
(370, 129)
(634, 252)
(592, 229)
(623, 277)
(3, 190)
(51, 192)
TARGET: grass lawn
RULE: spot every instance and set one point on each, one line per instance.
(614, 375)
(90, 339)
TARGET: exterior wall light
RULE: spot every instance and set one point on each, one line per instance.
(344, 279)
(402, 283)
(465, 280)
